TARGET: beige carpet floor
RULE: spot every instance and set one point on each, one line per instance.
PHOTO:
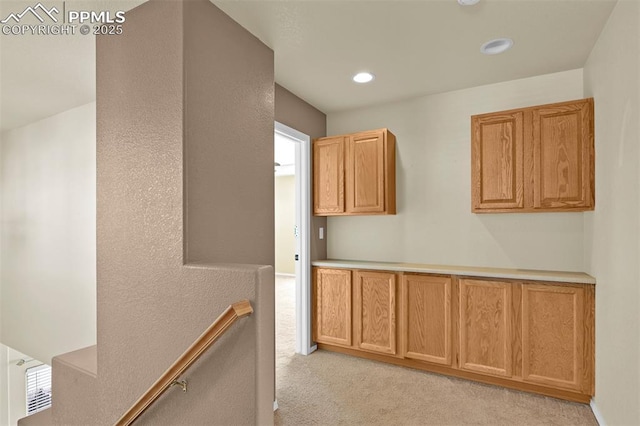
(326, 388)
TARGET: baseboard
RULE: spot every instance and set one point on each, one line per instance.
(596, 413)
(455, 372)
(311, 350)
(275, 405)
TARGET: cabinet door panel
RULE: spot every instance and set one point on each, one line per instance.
(375, 311)
(365, 174)
(485, 327)
(553, 335)
(328, 175)
(427, 311)
(497, 161)
(562, 149)
(333, 306)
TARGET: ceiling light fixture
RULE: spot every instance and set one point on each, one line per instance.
(467, 2)
(498, 45)
(363, 77)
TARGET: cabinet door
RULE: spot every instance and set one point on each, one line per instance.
(328, 175)
(333, 306)
(366, 173)
(553, 333)
(375, 311)
(485, 327)
(563, 155)
(427, 323)
(497, 161)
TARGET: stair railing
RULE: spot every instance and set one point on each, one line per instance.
(170, 376)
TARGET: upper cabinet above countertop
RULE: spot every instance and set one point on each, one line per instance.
(537, 159)
(355, 174)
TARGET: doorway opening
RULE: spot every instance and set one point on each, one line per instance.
(292, 158)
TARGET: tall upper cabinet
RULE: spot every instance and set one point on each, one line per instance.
(537, 159)
(355, 174)
(328, 176)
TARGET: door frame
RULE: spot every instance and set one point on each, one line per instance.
(304, 344)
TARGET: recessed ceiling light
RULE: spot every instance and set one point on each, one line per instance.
(499, 45)
(467, 2)
(363, 77)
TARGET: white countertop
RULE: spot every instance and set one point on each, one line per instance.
(518, 274)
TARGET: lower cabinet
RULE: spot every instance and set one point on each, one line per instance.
(371, 312)
(332, 306)
(485, 327)
(532, 336)
(555, 323)
(427, 312)
(375, 311)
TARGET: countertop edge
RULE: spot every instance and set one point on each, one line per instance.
(482, 272)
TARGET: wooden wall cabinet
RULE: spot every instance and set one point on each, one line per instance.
(538, 159)
(328, 175)
(532, 336)
(354, 174)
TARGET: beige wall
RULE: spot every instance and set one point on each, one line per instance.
(47, 187)
(434, 223)
(285, 220)
(612, 231)
(4, 386)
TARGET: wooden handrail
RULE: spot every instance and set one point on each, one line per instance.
(202, 343)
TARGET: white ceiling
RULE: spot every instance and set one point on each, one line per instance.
(413, 48)
(41, 76)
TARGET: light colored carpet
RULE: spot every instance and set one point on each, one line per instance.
(326, 388)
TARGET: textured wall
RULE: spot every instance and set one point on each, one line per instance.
(294, 112)
(151, 127)
(612, 231)
(434, 223)
(229, 190)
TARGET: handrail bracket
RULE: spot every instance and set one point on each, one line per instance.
(182, 384)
